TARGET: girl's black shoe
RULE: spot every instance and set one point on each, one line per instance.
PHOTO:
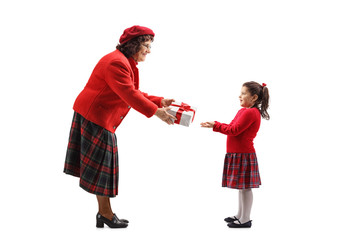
(113, 223)
(230, 219)
(240, 225)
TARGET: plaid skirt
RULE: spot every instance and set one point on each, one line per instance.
(92, 156)
(241, 171)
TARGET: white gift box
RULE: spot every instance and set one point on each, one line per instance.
(183, 112)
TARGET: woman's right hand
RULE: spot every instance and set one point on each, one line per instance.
(165, 116)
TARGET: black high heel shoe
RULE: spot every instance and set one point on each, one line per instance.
(113, 223)
(121, 220)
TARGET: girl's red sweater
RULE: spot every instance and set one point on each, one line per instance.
(241, 131)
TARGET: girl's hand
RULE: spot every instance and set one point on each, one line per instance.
(166, 102)
(207, 124)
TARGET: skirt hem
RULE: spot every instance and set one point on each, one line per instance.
(241, 188)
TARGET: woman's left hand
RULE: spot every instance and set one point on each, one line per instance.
(166, 102)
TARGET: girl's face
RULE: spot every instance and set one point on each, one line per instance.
(145, 49)
(246, 100)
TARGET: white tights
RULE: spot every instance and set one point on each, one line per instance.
(245, 204)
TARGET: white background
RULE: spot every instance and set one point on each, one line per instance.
(170, 176)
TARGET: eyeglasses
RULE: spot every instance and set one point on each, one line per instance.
(147, 46)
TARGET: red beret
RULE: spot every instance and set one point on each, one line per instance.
(135, 31)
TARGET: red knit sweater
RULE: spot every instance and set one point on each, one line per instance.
(113, 88)
(241, 131)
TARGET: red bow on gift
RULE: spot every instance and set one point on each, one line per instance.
(183, 107)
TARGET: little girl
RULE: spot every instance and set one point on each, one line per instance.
(241, 167)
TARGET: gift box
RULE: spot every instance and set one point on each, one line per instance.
(183, 112)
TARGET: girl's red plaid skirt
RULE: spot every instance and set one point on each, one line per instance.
(241, 171)
(92, 156)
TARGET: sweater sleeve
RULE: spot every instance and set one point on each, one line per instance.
(237, 126)
(119, 80)
(154, 99)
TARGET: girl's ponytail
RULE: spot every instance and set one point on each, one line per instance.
(262, 103)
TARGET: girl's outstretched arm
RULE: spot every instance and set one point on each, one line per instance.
(236, 127)
(207, 124)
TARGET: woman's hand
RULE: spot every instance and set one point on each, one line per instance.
(207, 124)
(166, 102)
(165, 116)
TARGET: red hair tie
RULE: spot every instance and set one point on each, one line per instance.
(264, 84)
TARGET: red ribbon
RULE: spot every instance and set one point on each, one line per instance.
(183, 107)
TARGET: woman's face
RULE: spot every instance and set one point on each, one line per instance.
(145, 49)
(246, 100)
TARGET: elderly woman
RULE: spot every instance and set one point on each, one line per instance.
(110, 93)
